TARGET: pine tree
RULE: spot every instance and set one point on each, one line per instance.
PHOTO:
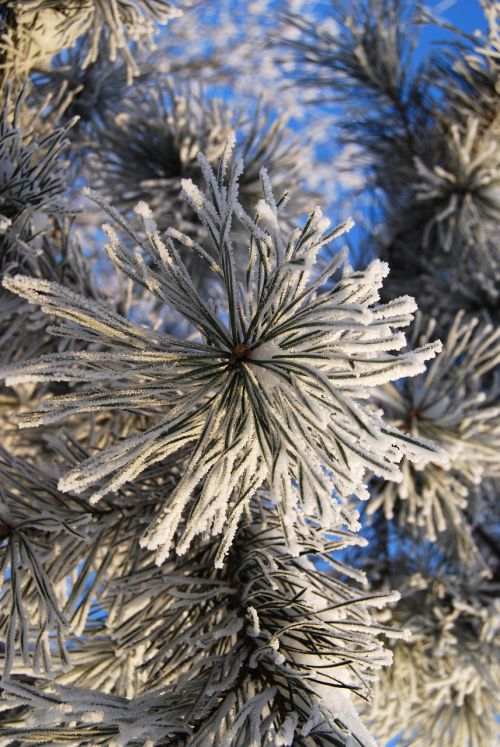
(247, 489)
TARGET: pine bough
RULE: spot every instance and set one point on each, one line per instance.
(269, 390)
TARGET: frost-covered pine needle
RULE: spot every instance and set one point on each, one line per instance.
(455, 405)
(33, 520)
(268, 651)
(452, 660)
(154, 139)
(268, 391)
(31, 167)
(41, 28)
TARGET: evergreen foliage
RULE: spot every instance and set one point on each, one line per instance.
(248, 484)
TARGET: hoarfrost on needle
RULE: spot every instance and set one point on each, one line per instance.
(266, 394)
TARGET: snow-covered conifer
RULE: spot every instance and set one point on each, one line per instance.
(156, 136)
(34, 518)
(215, 402)
(88, 92)
(430, 156)
(31, 168)
(268, 389)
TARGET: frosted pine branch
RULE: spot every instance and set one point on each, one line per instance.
(268, 391)
(156, 137)
(452, 659)
(41, 28)
(31, 167)
(60, 558)
(432, 156)
(454, 405)
(33, 520)
(268, 652)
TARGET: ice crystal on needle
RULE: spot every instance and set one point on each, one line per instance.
(267, 391)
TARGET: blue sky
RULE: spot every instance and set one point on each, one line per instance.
(464, 14)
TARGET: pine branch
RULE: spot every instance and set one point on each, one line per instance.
(268, 394)
(279, 643)
(453, 404)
